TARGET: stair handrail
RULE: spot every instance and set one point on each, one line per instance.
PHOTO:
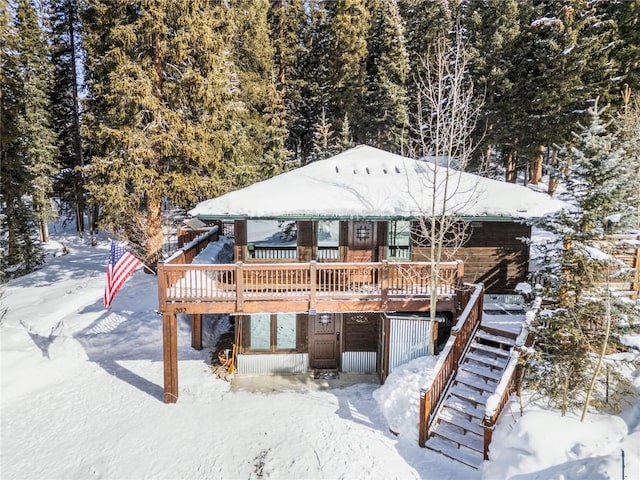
(498, 400)
(432, 394)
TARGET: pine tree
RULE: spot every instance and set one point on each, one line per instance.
(65, 30)
(492, 29)
(348, 30)
(261, 114)
(386, 106)
(314, 86)
(37, 139)
(166, 116)
(288, 20)
(323, 140)
(577, 274)
(26, 140)
(627, 46)
(426, 22)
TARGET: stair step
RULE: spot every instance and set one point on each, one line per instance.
(489, 349)
(476, 381)
(451, 450)
(498, 332)
(468, 394)
(494, 362)
(464, 407)
(490, 337)
(470, 440)
(455, 418)
(481, 371)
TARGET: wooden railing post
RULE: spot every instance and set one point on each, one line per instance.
(384, 284)
(162, 285)
(313, 287)
(170, 356)
(488, 435)
(196, 331)
(239, 286)
(425, 412)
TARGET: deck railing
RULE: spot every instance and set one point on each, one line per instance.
(497, 401)
(431, 395)
(304, 281)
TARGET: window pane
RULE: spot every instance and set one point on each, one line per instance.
(286, 331)
(399, 239)
(260, 332)
(272, 239)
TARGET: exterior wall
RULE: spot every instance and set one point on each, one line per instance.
(273, 363)
(359, 362)
(409, 338)
(494, 255)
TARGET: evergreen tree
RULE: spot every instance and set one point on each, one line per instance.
(36, 142)
(426, 22)
(314, 86)
(288, 20)
(261, 111)
(26, 141)
(492, 29)
(627, 46)
(576, 275)
(166, 114)
(323, 140)
(348, 31)
(65, 28)
(386, 106)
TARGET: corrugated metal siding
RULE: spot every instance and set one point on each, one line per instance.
(408, 339)
(510, 299)
(359, 362)
(276, 363)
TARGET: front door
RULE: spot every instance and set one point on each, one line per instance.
(324, 340)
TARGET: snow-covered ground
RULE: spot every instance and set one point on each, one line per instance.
(81, 397)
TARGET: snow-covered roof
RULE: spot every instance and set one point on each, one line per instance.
(365, 182)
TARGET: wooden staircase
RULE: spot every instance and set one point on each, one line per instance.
(457, 429)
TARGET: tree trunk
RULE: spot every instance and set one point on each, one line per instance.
(511, 170)
(43, 228)
(154, 238)
(79, 175)
(536, 168)
(12, 237)
(554, 178)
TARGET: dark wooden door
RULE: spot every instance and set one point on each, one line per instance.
(324, 340)
(362, 242)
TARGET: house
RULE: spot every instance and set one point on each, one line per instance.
(330, 271)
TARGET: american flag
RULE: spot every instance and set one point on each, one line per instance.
(121, 266)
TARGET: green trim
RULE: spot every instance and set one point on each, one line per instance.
(337, 217)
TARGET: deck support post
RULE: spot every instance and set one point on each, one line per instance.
(170, 356)
(425, 411)
(196, 331)
(488, 435)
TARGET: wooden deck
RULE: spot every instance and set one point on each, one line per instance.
(305, 287)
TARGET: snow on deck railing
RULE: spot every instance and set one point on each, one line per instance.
(192, 244)
(497, 400)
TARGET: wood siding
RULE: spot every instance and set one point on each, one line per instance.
(361, 332)
(494, 254)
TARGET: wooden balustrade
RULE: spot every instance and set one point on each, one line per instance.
(497, 401)
(308, 282)
(447, 365)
